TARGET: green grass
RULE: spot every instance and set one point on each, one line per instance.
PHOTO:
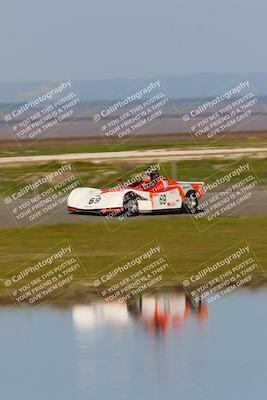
(100, 175)
(42, 149)
(97, 247)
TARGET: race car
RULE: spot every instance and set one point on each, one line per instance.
(147, 192)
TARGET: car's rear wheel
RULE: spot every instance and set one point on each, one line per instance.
(190, 203)
(130, 204)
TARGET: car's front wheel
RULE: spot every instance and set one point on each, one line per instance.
(190, 203)
(130, 204)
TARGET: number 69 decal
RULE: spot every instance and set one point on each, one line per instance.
(162, 199)
(95, 199)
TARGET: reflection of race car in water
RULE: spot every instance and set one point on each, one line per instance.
(160, 311)
(148, 192)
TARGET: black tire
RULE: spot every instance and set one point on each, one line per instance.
(130, 204)
(190, 203)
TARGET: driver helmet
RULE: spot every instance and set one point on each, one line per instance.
(149, 175)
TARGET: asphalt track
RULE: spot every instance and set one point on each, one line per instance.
(62, 216)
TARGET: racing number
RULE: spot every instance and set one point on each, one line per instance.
(162, 199)
(95, 199)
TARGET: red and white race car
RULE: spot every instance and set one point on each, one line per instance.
(148, 193)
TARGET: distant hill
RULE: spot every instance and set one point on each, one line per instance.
(191, 86)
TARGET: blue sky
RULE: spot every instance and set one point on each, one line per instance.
(99, 39)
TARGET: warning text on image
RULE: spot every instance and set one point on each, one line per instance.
(43, 196)
(232, 270)
(133, 114)
(227, 111)
(44, 113)
(224, 194)
(39, 280)
(135, 275)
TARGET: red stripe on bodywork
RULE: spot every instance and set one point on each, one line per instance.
(111, 210)
(72, 209)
